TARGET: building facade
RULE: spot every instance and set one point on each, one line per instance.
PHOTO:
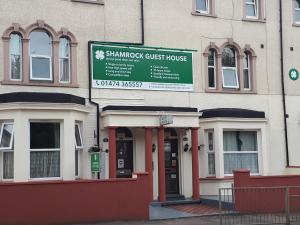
(232, 118)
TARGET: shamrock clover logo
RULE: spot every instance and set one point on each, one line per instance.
(100, 55)
(294, 74)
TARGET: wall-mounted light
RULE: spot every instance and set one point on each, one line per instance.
(186, 147)
(201, 147)
(153, 147)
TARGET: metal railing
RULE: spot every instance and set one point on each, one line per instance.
(259, 205)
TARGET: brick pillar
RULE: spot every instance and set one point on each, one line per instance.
(195, 164)
(112, 152)
(148, 159)
(161, 165)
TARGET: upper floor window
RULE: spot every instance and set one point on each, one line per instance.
(64, 60)
(229, 68)
(212, 69)
(297, 11)
(40, 56)
(204, 7)
(251, 9)
(47, 59)
(15, 56)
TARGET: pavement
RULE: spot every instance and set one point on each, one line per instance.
(204, 220)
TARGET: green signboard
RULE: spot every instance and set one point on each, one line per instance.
(128, 67)
(95, 162)
(293, 74)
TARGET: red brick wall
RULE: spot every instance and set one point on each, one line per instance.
(41, 203)
(265, 200)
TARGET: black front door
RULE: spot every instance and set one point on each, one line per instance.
(124, 159)
(171, 167)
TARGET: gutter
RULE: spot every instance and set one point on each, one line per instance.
(90, 74)
(285, 115)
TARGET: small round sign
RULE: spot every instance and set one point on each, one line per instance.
(293, 74)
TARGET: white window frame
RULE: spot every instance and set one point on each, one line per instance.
(258, 152)
(78, 149)
(207, 132)
(207, 7)
(12, 137)
(21, 61)
(46, 150)
(214, 67)
(50, 64)
(296, 9)
(255, 4)
(236, 76)
(249, 72)
(69, 60)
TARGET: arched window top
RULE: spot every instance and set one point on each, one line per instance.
(41, 25)
(231, 44)
(14, 29)
(123, 132)
(212, 47)
(229, 57)
(40, 43)
(65, 33)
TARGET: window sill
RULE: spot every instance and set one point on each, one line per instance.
(254, 20)
(226, 178)
(204, 14)
(97, 2)
(43, 84)
(229, 91)
(296, 24)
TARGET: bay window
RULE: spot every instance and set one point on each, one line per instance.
(40, 56)
(44, 149)
(240, 151)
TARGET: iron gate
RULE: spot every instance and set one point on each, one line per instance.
(259, 205)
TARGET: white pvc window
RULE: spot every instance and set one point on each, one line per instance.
(202, 6)
(246, 70)
(6, 153)
(229, 68)
(78, 148)
(251, 9)
(212, 69)
(240, 151)
(44, 150)
(15, 57)
(297, 11)
(64, 60)
(210, 148)
(40, 56)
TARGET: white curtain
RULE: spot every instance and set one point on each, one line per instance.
(239, 142)
(44, 164)
(8, 165)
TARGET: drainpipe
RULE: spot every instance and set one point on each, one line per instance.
(90, 74)
(285, 115)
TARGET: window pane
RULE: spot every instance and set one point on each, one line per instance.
(15, 49)
(8, 165)
(40, 43)
(211, 58)
(76, 163)
(210, 141)
(234, 161)
(297, 4)
(44, 164)
(41, 68)
(297, 15)
(246, 60)
(230, 141)
(64, 70)
(6, 137)
(211, 77)
(240, 141)
(246, 79)
(15, 67)
(201, 5)
(230, 79)
(64, 47)
(78, 136)
(228, 57)
(250, 10)
(44, 135)
(211, 164)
